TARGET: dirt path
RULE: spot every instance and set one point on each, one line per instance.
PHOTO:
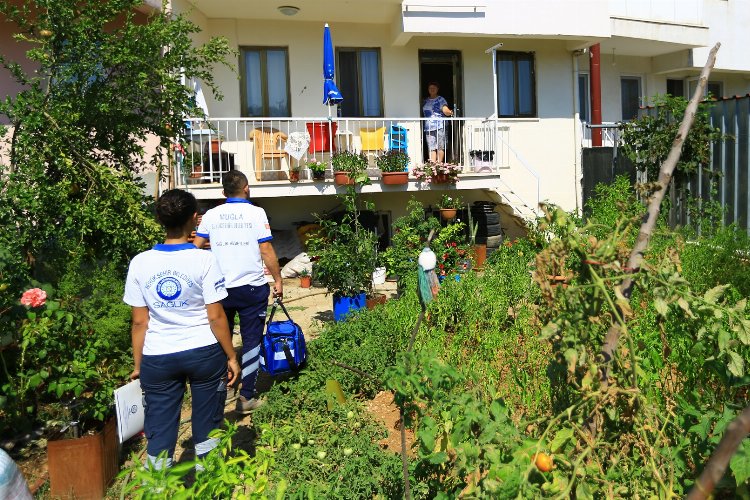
(311, 308)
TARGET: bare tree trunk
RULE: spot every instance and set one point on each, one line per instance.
(737, 430)
(649, 223)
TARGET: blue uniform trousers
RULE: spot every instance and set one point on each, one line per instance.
(251, 303)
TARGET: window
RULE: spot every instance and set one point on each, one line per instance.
(264, 81)
(675, 88)
(716, 89)
(630, 96)
(359, 81)
(584, 103)
(516, 85)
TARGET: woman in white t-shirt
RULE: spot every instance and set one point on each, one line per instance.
(180, 332)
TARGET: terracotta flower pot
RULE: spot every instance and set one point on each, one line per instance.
(294, 176)
(343, 179)
(440, 179)
(448, 213)
(480, 254)
(376, 300)
(395, 178)
(305, 281)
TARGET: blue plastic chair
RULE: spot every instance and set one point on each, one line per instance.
(397, 138)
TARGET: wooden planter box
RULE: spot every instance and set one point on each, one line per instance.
(82, 468)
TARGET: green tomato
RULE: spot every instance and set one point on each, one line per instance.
(321, 455)
(350, 414)
(311, 441)
(296, 446)
(348, 451)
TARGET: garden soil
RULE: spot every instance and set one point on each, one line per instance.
(311, 308)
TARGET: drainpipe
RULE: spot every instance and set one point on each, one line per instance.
(596, 96)
(576, 128)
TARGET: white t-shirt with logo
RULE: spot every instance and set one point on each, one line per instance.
(175, 282)
(235, 229)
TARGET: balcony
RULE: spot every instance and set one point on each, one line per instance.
(265, 149)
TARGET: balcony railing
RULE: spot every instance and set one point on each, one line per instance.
(265, 149)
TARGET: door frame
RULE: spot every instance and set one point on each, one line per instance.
(455, 59)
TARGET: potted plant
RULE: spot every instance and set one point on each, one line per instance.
(349, 168)
(449, 206)
(344, 257)
(410, 234)
(393, 166)
(294, 173)
(318, 169)
(305, 279)
(437, 173)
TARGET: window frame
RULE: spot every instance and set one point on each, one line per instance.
(692, 84)
(516, 57)
(262, 49)
(357, 51)
(584, 115)
(639, 79)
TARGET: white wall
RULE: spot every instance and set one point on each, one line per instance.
(538, 18)
(729, 23)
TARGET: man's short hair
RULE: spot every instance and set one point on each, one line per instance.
(175, 207)
(234, 182)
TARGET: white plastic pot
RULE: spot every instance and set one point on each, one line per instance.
(378, 276)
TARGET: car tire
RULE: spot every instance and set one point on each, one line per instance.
(494, 241)
(490, 230)
(485, 219)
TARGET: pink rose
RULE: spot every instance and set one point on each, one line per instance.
(34, 297)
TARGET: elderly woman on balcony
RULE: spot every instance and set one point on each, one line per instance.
(435, 108)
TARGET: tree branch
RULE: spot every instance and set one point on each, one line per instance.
(737, 430)
(609, 347)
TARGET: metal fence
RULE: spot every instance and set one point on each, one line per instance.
(726, 181)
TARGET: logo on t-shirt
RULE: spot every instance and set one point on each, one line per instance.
(168, 288)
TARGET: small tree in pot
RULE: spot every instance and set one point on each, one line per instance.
(345, 254)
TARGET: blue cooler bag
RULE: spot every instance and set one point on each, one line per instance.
(283, 345)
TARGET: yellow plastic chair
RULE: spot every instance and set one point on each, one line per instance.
(372, 139)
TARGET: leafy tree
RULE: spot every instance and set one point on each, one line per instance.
(105, 79)
(647, 140)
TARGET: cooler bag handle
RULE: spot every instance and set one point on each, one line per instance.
(277, 302)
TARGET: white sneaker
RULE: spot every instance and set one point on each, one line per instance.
(245, 406)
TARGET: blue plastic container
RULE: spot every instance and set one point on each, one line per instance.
(343, 306)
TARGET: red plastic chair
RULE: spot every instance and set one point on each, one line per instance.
(320, 137)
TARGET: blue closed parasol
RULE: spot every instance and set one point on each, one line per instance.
(331, 94)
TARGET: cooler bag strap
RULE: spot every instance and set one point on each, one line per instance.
(289, 358)
(277, 302)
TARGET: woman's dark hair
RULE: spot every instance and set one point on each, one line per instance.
(435, 84)
(175, 207)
